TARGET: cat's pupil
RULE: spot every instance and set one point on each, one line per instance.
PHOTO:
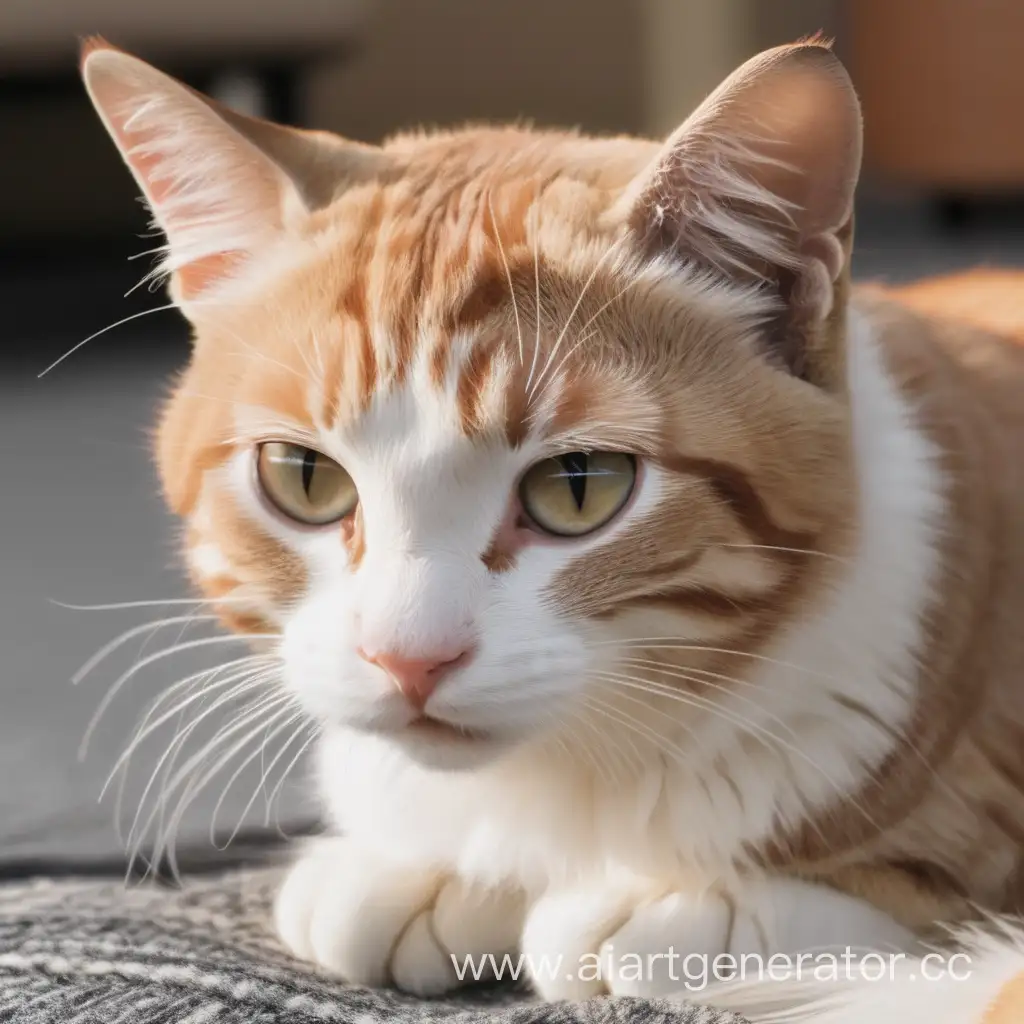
(575, 466)
(308, 465)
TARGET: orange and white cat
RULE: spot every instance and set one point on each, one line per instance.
(650, 586)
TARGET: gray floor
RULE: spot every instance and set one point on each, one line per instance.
(81, 523)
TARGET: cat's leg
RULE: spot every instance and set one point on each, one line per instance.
(668, 943)
(673, 943)
(378, 921)
(565, 930)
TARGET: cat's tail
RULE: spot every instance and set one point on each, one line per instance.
(979, 981)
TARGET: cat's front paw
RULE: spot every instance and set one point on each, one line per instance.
(374, 921)
(627, 942)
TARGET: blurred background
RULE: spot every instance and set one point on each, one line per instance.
(942, 82)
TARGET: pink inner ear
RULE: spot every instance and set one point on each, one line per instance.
(192, 278)
(215, 195)
(762, 175)
(199, 276)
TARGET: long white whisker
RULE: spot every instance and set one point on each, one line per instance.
(275, 708)
(112, 693)
(85, 341)
(700, 672)
(592, 755)
(155, 624)
(508, 275)
(613, 248)
(298, 721)
(137, 834)
(276, 791)
(248, 712)
(121, 605)
(784, 550)
(268, 359)
(751, 728)
(720, 688)
(205, 687)
(616, 714)
(583, 336)
(607, 678)
(536, 284)
(236, 685)
(268, 736)
(657, 643)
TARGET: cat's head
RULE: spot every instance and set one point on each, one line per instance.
(472, 413)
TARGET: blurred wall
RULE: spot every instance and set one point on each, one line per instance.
(608, 65)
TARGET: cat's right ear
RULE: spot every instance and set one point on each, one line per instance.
(225, 189)
(757, 185)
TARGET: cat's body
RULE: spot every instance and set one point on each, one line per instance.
(739, 670)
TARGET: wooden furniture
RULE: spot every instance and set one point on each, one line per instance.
(942, 84)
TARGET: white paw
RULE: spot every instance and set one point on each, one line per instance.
(654, 945)
(377, 922)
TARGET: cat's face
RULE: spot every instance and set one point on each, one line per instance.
(482, 413)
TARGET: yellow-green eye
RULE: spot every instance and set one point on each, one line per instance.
(576, 493)
(305, 484)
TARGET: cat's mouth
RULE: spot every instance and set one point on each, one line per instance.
(428, 727)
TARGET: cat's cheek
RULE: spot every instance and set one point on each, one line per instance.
(320, 669)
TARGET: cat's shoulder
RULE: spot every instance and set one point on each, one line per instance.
(974, 319)
(986, 298)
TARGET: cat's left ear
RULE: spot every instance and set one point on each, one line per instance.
(757, 185)
(225, 189)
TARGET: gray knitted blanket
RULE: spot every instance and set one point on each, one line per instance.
(94, 952)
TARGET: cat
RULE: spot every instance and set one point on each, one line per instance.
(650, 585)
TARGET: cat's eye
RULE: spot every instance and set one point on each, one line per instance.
(305, 484)
(577, 493)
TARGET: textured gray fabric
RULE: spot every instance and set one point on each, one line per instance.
(78, 952)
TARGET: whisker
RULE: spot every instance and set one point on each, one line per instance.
(613, 248)
(154, 624)
(583, 336)
(751, 728)
(789, 551)
(238, 684)
(297, 723)
(206, 683)
(263, 355)
(136, 835)
(85, 341)
(148, 726)
(692, 735)
(247, 713)
(508, 274)
(656, 643)
(121, 605)
(617, 715)
(718, 687)
(195, 786)
(536, 284)
(701, 672)
(603, 739)
(269, 735)
(112, 693)
(276, 791)
(591, 754)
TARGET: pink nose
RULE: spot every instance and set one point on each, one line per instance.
(416, 678)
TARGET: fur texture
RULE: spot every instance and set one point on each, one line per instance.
(771, 705)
